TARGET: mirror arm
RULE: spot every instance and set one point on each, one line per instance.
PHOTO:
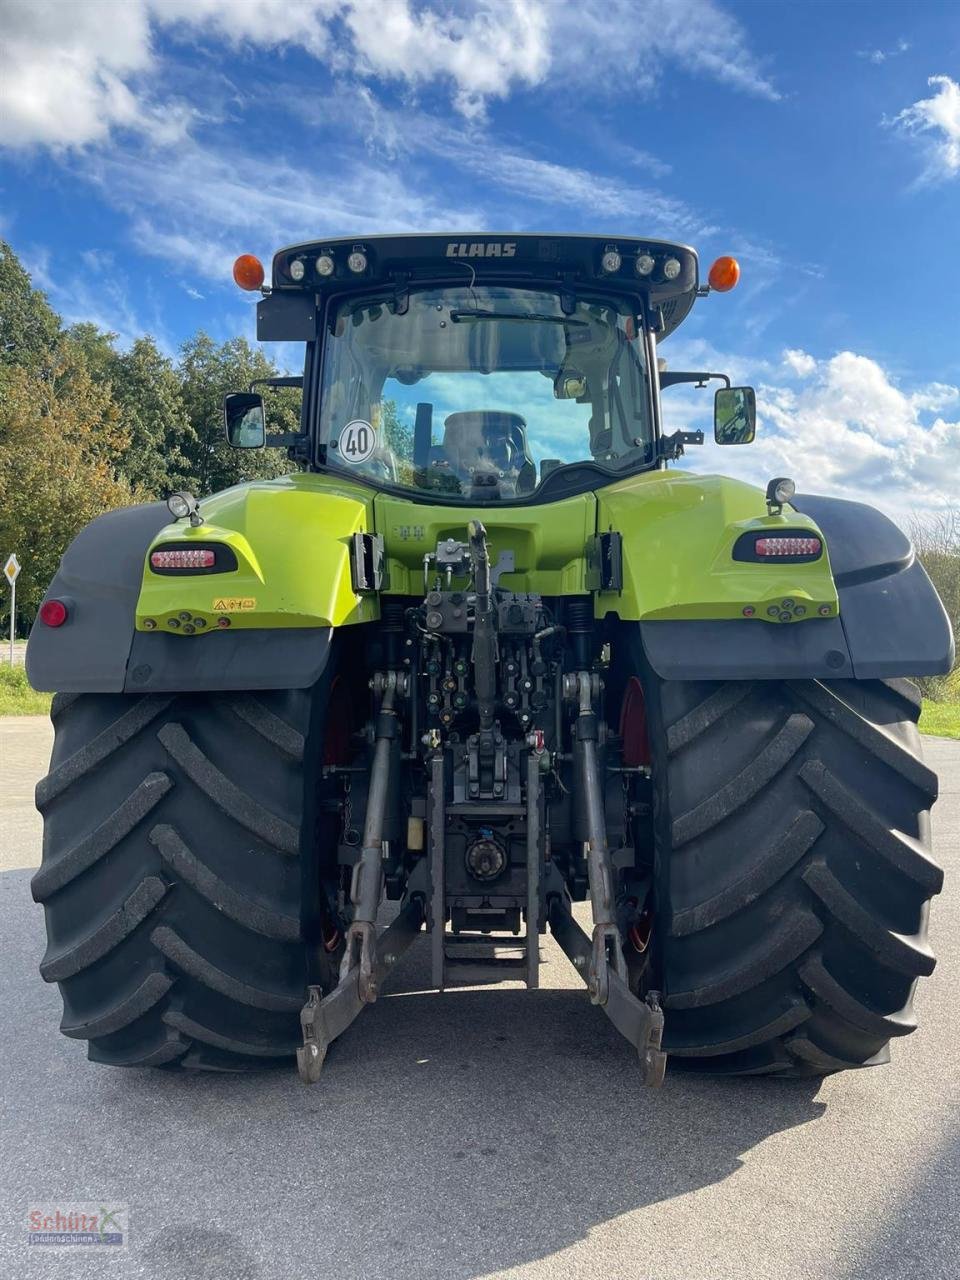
(293, 380)
(671, 447)
(700, 379)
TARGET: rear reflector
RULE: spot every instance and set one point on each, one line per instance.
(53, 613)
(189, 558)
(772, 547)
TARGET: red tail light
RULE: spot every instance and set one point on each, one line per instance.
(53, 613)
(789, 546)
(192, 558)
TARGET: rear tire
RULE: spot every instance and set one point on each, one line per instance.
(794, 871)
(173, 876)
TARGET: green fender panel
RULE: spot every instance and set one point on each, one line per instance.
(291, 538)
(679, 530)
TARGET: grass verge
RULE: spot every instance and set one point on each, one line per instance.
(16, 696)
(940, 718)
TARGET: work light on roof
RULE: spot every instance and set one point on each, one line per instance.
(297, 269)
(645, 264)
(671, 269)
(610, 262)
(357, 262)
(325, 265)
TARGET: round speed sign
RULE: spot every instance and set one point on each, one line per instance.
(357, 441)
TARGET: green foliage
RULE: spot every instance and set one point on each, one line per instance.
(85, 427)
(163, 441)
(207, 373)
(940, 719)
(60, 442)
(145, 386)
(28, 325)
(397, 436)
(16, 696)
(937, 541)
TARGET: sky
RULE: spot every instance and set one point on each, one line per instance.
(145, 143)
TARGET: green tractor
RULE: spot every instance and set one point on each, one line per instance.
(484, 654)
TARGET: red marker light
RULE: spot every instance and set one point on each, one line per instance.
(248, 271)
(53, 613)
(724, 274)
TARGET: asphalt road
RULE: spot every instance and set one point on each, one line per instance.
(480, 1133)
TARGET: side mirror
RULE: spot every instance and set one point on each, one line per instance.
(735, 415)
(569, 384)
(244, 420)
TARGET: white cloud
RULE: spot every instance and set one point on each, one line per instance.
(844, 427)
(484, 48)
(266, 24)
(197, 208)
(63, 72)
(935, 122)
(879, 56)
(634, 42)
(96, 289)
(70, 76)
(517, 185)
(801, 363)
(593, 195)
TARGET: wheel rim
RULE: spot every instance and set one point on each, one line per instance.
(339, 727)
(634, 733)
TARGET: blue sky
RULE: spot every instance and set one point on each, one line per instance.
(144, 144)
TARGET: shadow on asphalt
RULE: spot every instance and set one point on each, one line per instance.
(451, 1136)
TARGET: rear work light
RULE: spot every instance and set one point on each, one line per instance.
(771, 548)
(792, 546)
(188, 559)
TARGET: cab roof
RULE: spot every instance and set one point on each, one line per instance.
(608, 262)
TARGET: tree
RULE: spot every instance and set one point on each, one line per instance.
(936, 537)
(146, 388)
(396, 434)
(29, 326)
(61, 441)
(163, 442)
(98, 348)
(207, 373)
(85, 428)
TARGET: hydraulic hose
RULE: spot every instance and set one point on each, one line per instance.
(485, 651)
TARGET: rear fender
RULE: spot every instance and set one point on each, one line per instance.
(891, 621)
(292, 586)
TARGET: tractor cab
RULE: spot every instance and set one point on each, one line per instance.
(481, 371)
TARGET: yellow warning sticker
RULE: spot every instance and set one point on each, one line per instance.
(234, 604)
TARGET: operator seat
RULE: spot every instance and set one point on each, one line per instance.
(489, 440)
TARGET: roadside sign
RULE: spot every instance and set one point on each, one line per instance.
(10, 571)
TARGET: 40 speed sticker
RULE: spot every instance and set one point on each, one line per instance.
(357, 441)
